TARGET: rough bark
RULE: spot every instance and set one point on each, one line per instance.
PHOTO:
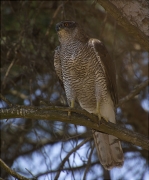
(78, 117)
(132, 16)
(137, 12)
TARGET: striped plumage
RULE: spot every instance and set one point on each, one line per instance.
(88, 75)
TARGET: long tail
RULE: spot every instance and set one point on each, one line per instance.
(109, 150)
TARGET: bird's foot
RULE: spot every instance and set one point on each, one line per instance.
(69, 112)
(98, 110)
(99, 114)
(71, 107)
(106, 119)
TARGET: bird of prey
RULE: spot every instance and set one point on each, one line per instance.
(88, 75)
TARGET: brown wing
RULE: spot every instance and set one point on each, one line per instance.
(108, 66)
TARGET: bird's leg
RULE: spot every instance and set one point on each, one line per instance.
(71, 106)
(98, 112)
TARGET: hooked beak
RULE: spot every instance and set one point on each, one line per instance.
(58, 27)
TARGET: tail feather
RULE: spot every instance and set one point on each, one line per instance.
(109, 150)
(108, 147)
(116, 150)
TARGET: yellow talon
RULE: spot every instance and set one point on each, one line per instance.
(71, 106)
(98, 112)
(106, 119)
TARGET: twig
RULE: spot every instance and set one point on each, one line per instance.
(134, 92)
(53, 18)
(76, 168)
(88, 163)
(11, 172)
(34, 177)
(30, 89)
(7, 72)
(6, 100)
(66, 158)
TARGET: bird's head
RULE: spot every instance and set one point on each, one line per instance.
(66, 26)
(68, 30)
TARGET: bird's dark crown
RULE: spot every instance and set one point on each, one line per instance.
(65, 24)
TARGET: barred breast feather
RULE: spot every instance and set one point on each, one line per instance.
(88, 74)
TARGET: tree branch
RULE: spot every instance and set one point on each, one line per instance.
(5, 100)
(124, 22)
(134, 92)
(78, 117)
(11, 172)
(88, 163)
